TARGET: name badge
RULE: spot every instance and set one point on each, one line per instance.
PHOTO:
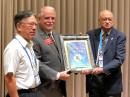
(100, 59)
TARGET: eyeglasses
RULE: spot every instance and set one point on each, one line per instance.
(107, 19)
(30, 23)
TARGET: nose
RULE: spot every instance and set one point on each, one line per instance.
(34, 26)
(107, 21)
(51, 19)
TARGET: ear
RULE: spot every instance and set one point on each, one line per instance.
(114, 22)
(18, 26)
(99, 21)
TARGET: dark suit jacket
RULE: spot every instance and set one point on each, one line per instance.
(51, 63)
(114, 54)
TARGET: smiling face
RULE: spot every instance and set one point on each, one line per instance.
(27, 27)
(47, 19)
(106, 20)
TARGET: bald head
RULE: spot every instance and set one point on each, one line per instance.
(106, 20)
(46, 9)
(47, 18)
(105, 12)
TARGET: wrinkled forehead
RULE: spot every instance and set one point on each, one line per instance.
(30, 19)
(105, 14)
(48, 11)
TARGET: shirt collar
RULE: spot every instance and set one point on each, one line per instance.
(23, 41)
(108, 33)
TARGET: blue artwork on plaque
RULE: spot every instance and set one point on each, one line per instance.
(77, 54)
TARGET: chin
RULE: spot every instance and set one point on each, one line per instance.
(49, 28)
(31, 37)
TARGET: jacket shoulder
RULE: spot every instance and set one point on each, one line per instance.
(94, 32)
(118, 33)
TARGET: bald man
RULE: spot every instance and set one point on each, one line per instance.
(47, 47)
(108, 46)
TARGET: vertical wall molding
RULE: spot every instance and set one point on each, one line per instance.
(73, 17)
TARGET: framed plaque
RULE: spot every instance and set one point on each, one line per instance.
(77, 53)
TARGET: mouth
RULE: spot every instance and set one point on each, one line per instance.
(32, 33)
(50, 24)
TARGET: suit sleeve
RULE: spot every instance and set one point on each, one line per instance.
(119, 55)
(45, 72)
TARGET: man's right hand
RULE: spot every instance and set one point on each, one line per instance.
(86, 71)
(64, 75)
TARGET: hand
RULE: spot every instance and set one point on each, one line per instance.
(64, 75)
(86, 71)
(97, 70)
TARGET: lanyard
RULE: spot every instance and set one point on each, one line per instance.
(34, 66)
(27, 54)
(100, 42)
(99, 61)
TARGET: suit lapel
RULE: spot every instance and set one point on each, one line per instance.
(97, 39)
(58, 44)
(56, 40)
(110, 40)
(44, 36)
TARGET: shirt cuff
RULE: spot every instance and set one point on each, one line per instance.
(58, 76)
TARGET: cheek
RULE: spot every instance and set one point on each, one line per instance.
(54, 22)
(102, 24)
(44, 23)
(111, 24)
(27, 30)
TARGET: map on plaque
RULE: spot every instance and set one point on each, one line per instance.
(77, 53)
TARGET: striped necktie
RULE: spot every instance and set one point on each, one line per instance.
(104, 39)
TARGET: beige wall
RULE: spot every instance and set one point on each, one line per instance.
(73, 16)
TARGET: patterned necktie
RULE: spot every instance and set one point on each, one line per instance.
(51, 37)
(104, 39)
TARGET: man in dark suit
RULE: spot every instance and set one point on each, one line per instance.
(47, 47)
(106, 79)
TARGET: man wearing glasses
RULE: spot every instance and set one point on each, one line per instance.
(20, 64)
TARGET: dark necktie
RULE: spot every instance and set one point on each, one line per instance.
(53, 45)
(51, 37)
(104, 39)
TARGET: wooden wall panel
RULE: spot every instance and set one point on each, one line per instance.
(73, 17)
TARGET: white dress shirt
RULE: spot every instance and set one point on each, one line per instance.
(19, 60)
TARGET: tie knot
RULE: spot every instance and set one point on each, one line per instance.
(49, 34)
(104, 35)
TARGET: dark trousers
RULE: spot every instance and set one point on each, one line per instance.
(96, 87)
(27, 93)
(101, 94)
(105, 96)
